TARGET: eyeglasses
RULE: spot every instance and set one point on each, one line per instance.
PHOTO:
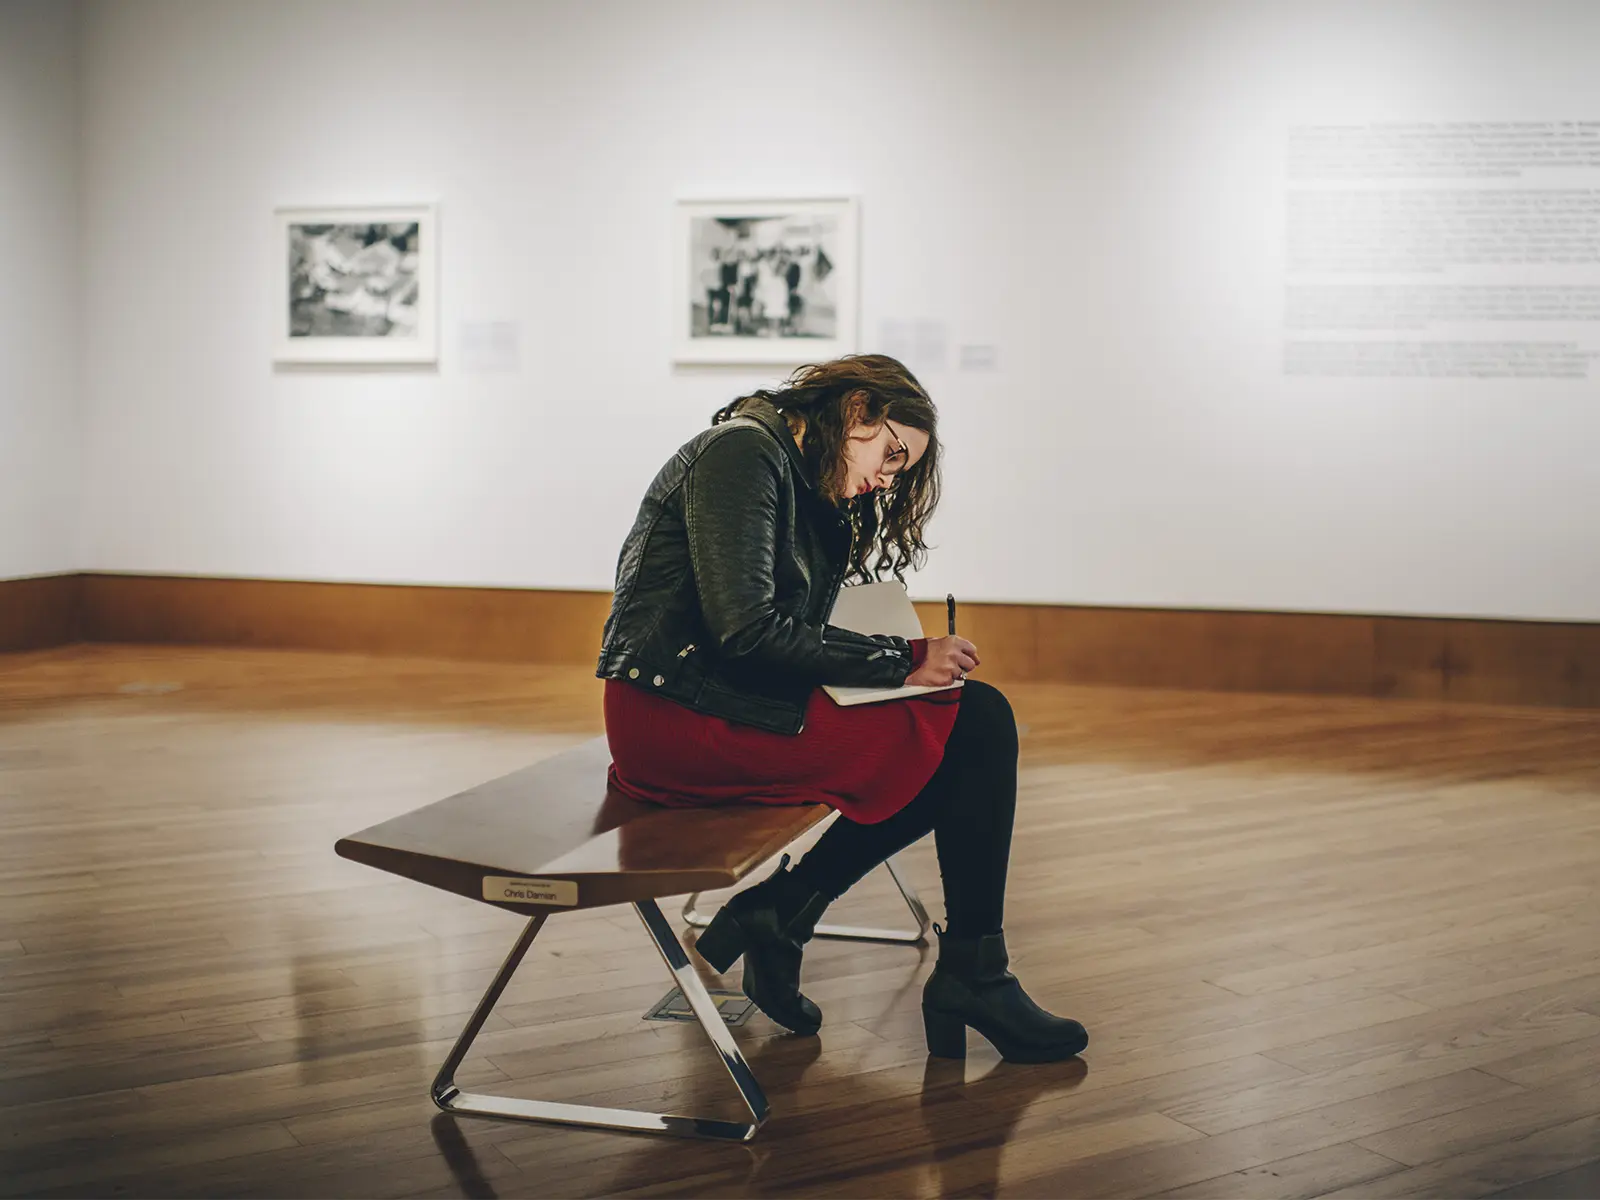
(898, 455)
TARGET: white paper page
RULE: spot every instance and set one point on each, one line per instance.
(878, 608)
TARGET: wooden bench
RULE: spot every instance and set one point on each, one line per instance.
(554, 838)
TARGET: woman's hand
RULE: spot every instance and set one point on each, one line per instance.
(949, 659)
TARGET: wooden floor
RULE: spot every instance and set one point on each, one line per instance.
(1324, 947)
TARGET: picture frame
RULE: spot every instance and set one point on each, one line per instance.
(765, 281)
(357, 284)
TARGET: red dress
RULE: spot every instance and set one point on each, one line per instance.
(868, 761)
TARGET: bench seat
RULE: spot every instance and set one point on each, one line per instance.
(558, 820)
(555, 837)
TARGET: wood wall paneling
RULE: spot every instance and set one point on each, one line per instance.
(1223, 651)
(1488, 662)
(1419, 658)
(488, 624)
(36, 614)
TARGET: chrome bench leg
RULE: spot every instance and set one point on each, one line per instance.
(451, 1099)
(699, 920)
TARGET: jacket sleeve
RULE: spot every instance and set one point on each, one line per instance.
(731, 513)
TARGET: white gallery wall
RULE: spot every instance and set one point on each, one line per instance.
(39, 328)
(1097, 195)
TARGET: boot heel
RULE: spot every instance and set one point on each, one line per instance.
(946, 1033)
(722, 942)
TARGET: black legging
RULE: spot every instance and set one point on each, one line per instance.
(969, 804)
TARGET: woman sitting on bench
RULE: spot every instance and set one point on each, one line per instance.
(714, 656)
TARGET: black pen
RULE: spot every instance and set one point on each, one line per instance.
(950, 611)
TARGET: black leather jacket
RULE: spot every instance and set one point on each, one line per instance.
(726, 579)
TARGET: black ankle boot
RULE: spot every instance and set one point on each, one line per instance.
(769, 924)
(971, 986)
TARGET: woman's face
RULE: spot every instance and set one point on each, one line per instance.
(875, 454)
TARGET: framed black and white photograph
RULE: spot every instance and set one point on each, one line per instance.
(358, 285)
(765, 281)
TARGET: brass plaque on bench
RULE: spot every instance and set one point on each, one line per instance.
(505, 889)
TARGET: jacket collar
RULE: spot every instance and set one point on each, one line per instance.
(764, 412)
(772, 421)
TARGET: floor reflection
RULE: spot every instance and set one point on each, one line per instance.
(879, 1132)
(969, 1125)
(458, 1156)
(948, 1138)
(334, 1019)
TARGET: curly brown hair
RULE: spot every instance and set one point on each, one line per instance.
(827, 400)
